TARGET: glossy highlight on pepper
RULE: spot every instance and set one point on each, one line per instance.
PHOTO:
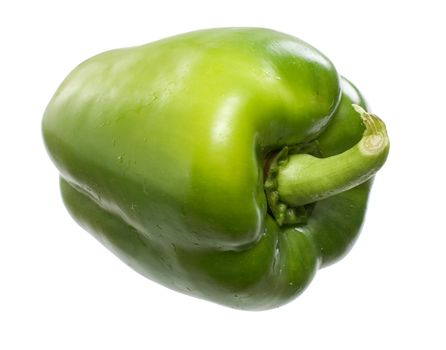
(229, 164)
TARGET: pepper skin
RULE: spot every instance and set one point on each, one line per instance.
(175, 156)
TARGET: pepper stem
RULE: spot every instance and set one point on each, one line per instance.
(297, 180)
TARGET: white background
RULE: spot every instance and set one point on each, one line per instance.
(60, 289)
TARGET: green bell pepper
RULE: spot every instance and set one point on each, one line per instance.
(227, 164)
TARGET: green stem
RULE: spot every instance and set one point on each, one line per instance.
(294, 181)
(305, 179)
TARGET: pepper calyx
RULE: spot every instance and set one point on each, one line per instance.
(282, 212)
